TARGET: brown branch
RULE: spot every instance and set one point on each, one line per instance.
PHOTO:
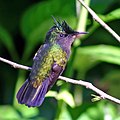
(96, 18)
(102, 95)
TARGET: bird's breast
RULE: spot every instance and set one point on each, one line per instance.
(55, 55)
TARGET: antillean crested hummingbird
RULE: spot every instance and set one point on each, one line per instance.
(48, 64)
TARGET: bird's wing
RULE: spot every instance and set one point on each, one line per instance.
(33, 91)
(34, 96)
(39, 61)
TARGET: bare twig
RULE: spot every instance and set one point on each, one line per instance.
(96, 18)
(88, 85)
(15, 65)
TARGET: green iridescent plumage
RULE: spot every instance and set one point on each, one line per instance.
(55, 54)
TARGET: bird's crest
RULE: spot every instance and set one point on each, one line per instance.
(63, 26)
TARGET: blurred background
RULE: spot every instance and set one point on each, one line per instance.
(95, 58)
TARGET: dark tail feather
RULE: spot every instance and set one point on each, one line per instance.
(31, 96)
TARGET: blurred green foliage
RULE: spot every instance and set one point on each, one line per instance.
(23, 25)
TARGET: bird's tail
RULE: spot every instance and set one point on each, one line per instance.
(31, 96)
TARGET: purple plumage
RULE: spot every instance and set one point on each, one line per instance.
(32, 96)
(27, 91)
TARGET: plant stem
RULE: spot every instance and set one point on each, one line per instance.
(100, 21)
(82, 18)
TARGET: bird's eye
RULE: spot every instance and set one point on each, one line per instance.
(61, 35)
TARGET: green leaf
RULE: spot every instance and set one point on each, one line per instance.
(34, 21)
(92, 112)
(112, 78)
(84, 117)
(111, 16)
(7, 41)
(51, 94)
(114, 15)
(105, 111)
(100, 6)
(66, 97)
(8, 112)
(28, 112)
(35, 24)
(95, 98)
(87, 57)
(64, 113)
(63, 95)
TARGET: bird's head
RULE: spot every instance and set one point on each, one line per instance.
(61, 32)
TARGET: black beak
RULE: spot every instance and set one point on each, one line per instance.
(77, 34)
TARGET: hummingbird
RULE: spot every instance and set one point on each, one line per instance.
(48, 64)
